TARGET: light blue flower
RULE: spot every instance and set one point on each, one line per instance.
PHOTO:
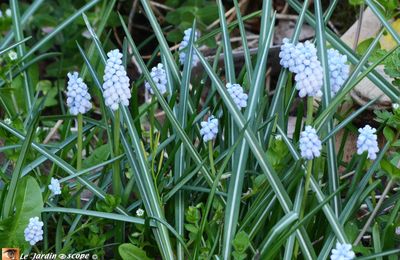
(55, 187)
(34, 231)
(342, 252)
(78, 97)
(338, 70)
(367, 142)
(184, 43)
(116, 82)
(237, 94)
(302, 60)
(287, 54)
(209, 129)
(159, 77)
(310, 144)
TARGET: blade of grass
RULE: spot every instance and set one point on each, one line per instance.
(8, 207)
(180, 162)
(351, 82)
(25, 17)
(383, 20)
(333, 177)
(148, 182)
(12, 46)
(19, 36)
(97, 214)
(238, 173)
(247, 58)
(61, 163)
(168, 112)
(213, 191)
(60, 27)
(334, 222)
(258, 152)
(276, 230)
(139, 165)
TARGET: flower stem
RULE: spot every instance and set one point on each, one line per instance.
(116, 179)
(211, 157)
(79, 156)
(309, 120)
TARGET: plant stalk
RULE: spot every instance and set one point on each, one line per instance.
(116, 179)
(79, 156)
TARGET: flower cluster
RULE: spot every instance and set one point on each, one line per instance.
(367, 141)
(302, 60)
(116, 82)
(55, 187)
(184, 43)
(342, 252)
(338, 70)
(159, 77)
(78, 97)
(310, 144)
(209, 129)
(237, 94)
(34, 231)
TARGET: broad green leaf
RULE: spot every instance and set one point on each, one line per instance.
(29, 204)
(132, 252)
(99, 155)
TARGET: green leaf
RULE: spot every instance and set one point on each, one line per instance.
(241, 242)
(131, 252)
(351, 230)
(390, 168)
(389, 134)
(99, 155)
(356, 2)
(30, 204)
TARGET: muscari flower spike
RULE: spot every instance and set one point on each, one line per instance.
(34, 231)
(116, 82)
(184, 43)
(237, 94)
(209, 129)
(367, 141)
(55, 187)
(78, 97)
(310, 144)
(338, 70)
(159, 77)
(302, 60)
(342, 252)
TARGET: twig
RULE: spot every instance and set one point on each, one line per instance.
(162, 6)
(232, 10)
(132, 15)
(358, 31)
(374, 212)
(53, 131)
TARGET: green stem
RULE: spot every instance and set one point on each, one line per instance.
(309, 120)
(310, 110)
(211, 157)
(79, 156)
(116, 180)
